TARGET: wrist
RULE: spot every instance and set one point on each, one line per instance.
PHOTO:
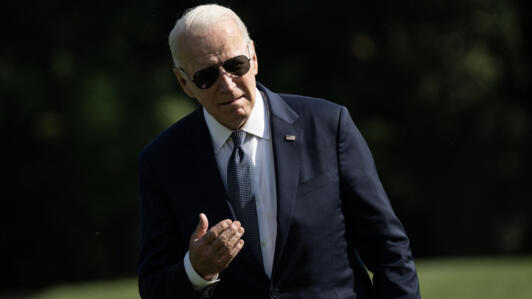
(208, 277)
(198, 281)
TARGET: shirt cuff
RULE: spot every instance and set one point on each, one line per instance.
(195, 279)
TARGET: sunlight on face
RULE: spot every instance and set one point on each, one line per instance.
(231, 98)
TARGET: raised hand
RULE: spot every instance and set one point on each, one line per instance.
(211, 251)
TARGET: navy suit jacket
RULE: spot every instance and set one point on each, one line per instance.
(331, 211)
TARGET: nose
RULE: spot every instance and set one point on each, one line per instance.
(226, 80)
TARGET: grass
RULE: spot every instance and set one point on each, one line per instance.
(457, 278)
(112, 289)
(471, 278)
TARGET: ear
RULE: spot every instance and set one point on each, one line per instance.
(184, 82)
(254, 58)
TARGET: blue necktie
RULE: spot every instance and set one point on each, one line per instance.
(242, 194)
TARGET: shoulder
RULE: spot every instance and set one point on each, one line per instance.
(301, 104)
(305, 103)
(318, 111)
(175, 137)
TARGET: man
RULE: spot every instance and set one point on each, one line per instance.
(261, 195)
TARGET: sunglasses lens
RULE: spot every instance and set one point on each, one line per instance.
(205, 78)
(237, 66)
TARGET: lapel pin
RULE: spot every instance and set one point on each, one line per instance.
(290, 137)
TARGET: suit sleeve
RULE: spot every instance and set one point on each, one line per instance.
(373, 227)
(160, 267)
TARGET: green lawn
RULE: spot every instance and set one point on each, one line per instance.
(458, 278)
(484, 278)
(111, 289)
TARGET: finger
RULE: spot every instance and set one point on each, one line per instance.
(234, 239)
(216, 230)
(227, 258)
(223, 243)
(202, 227)
(227, 239)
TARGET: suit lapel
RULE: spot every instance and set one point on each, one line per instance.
(283, 122)
(210, 197)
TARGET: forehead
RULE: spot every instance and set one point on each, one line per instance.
(215, 44)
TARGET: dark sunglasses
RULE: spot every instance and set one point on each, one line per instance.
(206, 77)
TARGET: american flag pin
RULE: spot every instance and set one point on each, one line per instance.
(290, 137)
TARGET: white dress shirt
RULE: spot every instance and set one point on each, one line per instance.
(258, 145)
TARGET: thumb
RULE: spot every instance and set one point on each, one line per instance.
(202, 227)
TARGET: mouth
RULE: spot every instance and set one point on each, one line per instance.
(229, 102)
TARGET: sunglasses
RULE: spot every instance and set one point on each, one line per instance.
(205, 78)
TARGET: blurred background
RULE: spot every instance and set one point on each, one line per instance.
(440, 90)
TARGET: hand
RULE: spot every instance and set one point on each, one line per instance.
(213, 250)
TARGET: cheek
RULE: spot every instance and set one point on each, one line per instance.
(248, 83)
(205, 98)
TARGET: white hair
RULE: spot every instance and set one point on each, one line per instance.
(201, 18)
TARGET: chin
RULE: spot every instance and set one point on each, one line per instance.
(238, 121)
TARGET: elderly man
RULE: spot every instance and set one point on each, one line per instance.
(258, 194)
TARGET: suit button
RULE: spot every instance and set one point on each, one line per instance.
(274, 294)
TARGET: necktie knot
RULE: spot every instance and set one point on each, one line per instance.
(238, 137)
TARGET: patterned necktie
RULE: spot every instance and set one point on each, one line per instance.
(242, 193)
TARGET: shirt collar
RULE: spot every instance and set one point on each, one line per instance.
(255, 124)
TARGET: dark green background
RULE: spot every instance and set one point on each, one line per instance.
(440, 89)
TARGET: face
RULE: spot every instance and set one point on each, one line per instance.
(230, 99)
